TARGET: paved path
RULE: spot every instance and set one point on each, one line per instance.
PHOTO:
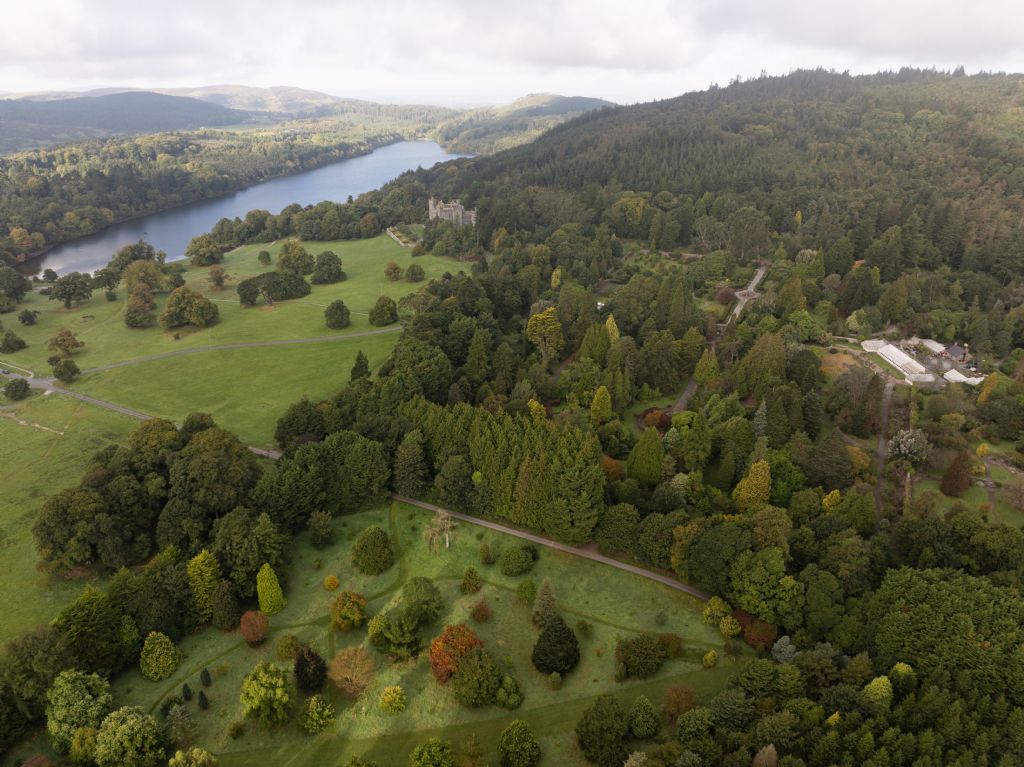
(585, 553)
(748, 294)
(247, 345)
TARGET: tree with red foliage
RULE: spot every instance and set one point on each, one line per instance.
(447, 650)
(677, 700)
(760, 635)
(254, 627)
(612, 468)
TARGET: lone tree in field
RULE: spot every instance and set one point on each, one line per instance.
(66, 370)
(517, 745)
(545, 609)
(440, 530)
(337, 315)
(957, 478)
(310, 670)
(65, 343)
(557, 648)
(267, 694)
(372, 553)
(393, 272)
(384, 312)
(268, 591)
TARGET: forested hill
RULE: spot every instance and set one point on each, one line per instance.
(27, 122)
(823, 154)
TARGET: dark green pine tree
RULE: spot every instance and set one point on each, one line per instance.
(644, 462)
(361, 369)
(557, 648)
(410, 467)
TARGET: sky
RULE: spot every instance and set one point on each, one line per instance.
(469, 52)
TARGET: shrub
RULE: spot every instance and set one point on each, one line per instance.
(584, 629)
(193, 757)
(517, 746)
(710, 659)
(236, 730)
(527, 592)
(480, 612)
(434, 753)
(729, 627)
(17, 389)
(203, 701)
(471, 582)
(556, 649)
(447, 650)
(352, 671)
(266, 694)
(509, 696)
(331, 582)
(486, 555)
(204, 677)
(321, 528)
(760, 635)
(641, 655)
(643, 721)
(317, 714)
(372, 553)
(555, 681)
(268, 591)
(348, 610)
(337, 315)
(186, 692)
(392, 700)
(287, 647)
(516, 561)
(83, 747)
(159, 658)
(310, 670)
(714, 610)
(179, 727)
(254, 626)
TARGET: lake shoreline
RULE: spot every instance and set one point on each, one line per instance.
(36, 259)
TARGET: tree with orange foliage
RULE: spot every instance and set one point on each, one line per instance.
(447, 650)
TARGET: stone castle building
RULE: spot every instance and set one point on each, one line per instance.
(450, 211)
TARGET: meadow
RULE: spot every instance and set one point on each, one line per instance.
(45, 445)
(622, 605)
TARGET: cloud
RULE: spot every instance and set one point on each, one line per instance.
(475, 51)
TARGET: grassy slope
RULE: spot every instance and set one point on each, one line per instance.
(620, 605)
(34, 463)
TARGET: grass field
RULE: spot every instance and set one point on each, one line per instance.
(620, 605)
(45, 444)
(100, 323)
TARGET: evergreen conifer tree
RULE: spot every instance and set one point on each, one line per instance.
(268, 591)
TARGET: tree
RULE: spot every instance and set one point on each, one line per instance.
(217, 276)
(11, 343)
(352, 671)
(327, 269)
(179, 727)
(409, 473)
(545, 609)
(193, 757)
(748, 233)
(268, 591)
(17, 389)
(372, 553)
(392, 699)
(266, 694)
(203, 251)
(13, 285)
(393, 272)
(361, 368)
(337, 315)
(556, 649)
(644, 462)
(310, 670)
(477, 679)
(317, 714)
(602, 731)
(415, 273)
(384, 312)
(294, 258)
(129, 737)
(753, 491)
(643, 719)
(517, 745)
(544, 330)
(65, 342)
(140, 311)
(71, 289)
(348, 610)
(203, 577)
(253, 625)
(641, 656)
(434, 753)
(225, 611)
(159, 658)
(264, 257)
(448, 649)
(75, 700)
(957, 478)
(600, 407)
(187, 307)
(65, 370)
(439, 531)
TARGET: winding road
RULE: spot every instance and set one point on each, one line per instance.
(583, 552)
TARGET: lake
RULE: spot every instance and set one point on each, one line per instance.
(171, 230)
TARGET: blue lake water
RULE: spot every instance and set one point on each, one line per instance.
(171, 230)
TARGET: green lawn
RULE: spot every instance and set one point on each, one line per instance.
(973, 498)
(246, 390)
(35, 462)
(616, 603)
(100, 323)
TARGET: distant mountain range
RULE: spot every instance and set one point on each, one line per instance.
(33, 120)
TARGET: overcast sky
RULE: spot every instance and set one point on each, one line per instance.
(464, 52)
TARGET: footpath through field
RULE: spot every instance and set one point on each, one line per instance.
(585, 553)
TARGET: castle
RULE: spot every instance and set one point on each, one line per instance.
(450, 211)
